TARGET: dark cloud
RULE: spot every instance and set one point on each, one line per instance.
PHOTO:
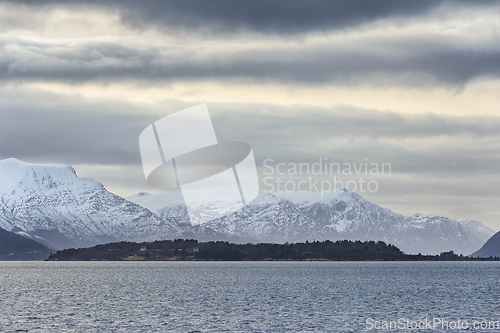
(409, 59)
(418, 62)
(261, 16)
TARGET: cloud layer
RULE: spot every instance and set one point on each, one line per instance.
(283, 17)
(79, 80)
(418, 62)
(383, 43)
(105, 131)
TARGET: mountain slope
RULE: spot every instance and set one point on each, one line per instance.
(295, 217)
(51, 204)
(490, 248)
(477, 228)
(13, 243)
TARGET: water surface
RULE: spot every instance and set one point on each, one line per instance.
(241, 296)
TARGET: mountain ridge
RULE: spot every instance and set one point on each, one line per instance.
(52, 205)
(53, 199)
(296, 216)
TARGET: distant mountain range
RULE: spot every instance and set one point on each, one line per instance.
(50, 204)
(298, 216)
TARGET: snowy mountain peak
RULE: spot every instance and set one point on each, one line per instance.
(16, 166)
(16, 173)
(309, 197)
(52, 203)
(481, 231)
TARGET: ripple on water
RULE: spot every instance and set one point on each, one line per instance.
(240, 296)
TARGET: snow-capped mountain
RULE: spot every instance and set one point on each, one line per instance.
(50, 204)
(299, 216)
(267, 219)
(478, 229)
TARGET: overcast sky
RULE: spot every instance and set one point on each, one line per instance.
(411, 83)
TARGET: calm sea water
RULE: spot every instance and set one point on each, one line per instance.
(244, 296)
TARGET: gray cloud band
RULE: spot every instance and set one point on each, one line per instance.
(181, 151)
(419, 62)
(233, 17)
